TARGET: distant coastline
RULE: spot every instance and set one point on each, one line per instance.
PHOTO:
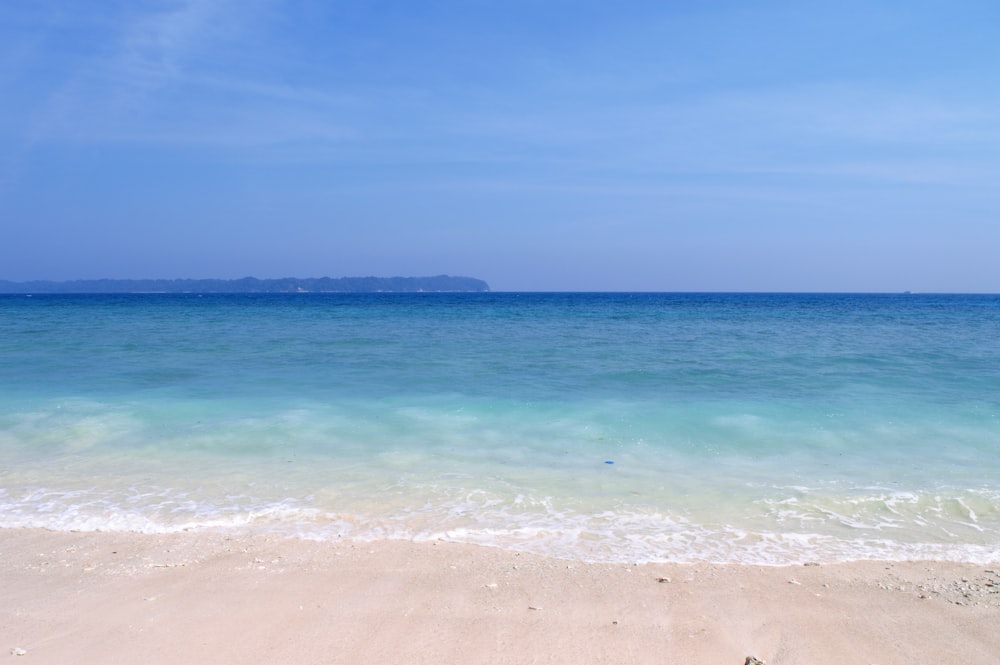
(438, 284)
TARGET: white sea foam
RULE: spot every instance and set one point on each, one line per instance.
(524, 524)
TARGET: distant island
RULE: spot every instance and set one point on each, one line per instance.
(437, 284)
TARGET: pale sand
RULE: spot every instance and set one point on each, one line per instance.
(205, 598)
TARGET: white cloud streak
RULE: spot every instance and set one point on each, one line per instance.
(157, 46)
(161, 79)
(168, 77)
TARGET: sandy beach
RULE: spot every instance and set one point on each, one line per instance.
(207, 597)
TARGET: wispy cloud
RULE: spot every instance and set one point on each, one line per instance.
(919, 114)
(166, 75)
(158, 44)
(916, 134)
(175, 72)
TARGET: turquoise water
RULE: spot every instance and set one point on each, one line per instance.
(761, 428)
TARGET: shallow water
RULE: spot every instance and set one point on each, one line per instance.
(761, 428)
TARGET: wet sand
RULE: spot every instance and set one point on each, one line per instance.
(126, 598)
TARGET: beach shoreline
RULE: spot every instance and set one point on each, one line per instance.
(116, 597)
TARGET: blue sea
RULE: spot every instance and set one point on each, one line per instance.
(749, 428)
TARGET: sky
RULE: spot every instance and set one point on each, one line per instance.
(670, 145)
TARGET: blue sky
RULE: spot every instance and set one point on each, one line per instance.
(656, 146)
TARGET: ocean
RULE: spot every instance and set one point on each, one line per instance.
(632, 427)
